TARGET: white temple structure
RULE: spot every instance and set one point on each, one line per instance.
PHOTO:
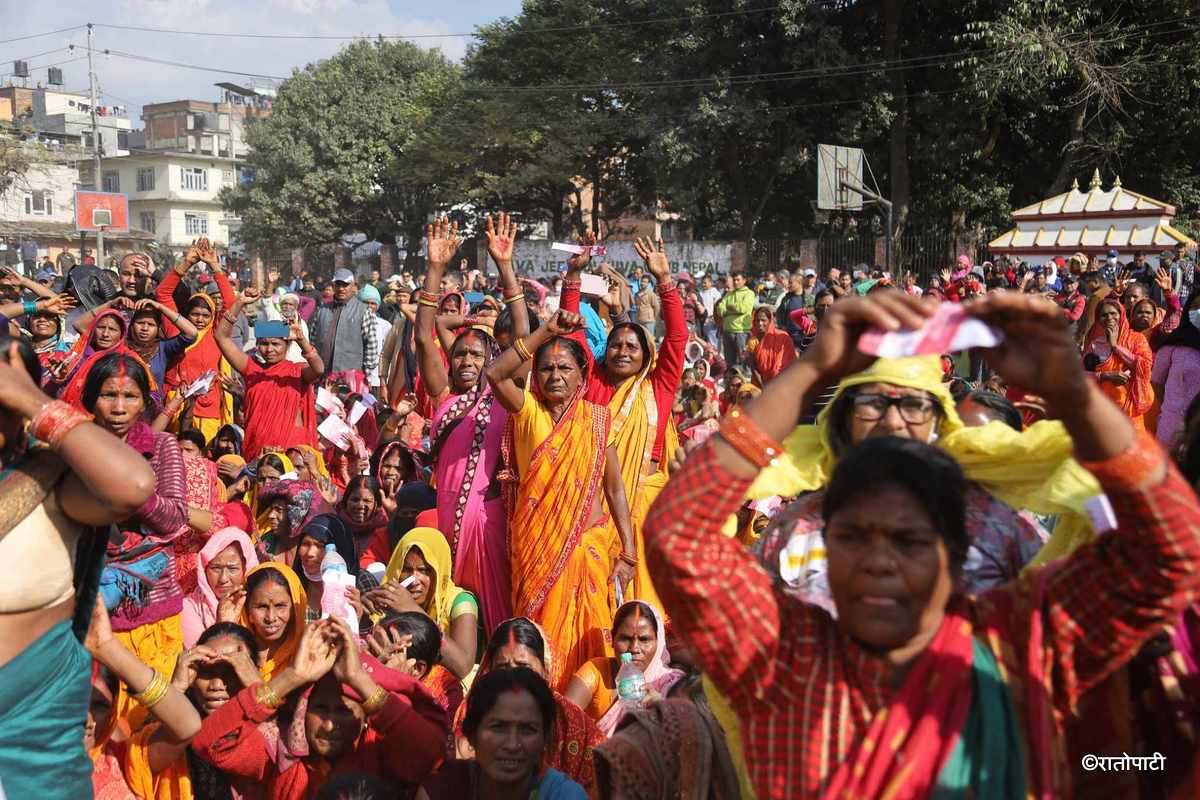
(1093, 223)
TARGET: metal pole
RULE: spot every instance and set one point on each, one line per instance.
(96, 180)
(887, 241)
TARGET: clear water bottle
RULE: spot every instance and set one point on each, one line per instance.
(631, 683)
(332, 560)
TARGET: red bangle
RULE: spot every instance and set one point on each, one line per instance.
(428, 297)
(743, 435)
(56, 419)
(572, 284)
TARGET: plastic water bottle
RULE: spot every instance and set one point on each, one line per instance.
(335, 579)
(631, 683)
(332, 561)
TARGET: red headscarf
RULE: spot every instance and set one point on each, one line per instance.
(1136, 397)
(85, 356)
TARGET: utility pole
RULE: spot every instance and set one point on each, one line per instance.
(887, 206)
(95, 144)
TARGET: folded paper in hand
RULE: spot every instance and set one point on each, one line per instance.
(335, 431)
(200, 385)
(580, 249)
(326, 399)
(356, 412)
(949, 330)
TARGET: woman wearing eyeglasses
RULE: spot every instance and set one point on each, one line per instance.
(1012, 474)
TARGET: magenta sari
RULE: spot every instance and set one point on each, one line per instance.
(465, 438)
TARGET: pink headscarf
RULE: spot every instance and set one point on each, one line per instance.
(200, 607)
(659, 672)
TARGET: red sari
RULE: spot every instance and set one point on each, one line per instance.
(281, 408)
(1137, 396)
(775, 350)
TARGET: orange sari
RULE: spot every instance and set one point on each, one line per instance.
(1137, 396)
(561, 564)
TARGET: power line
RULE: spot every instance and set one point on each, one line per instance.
(40, 35)
(550, 29)
(39, 55)
(181, 65)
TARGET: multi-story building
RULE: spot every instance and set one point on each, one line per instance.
(68, 115)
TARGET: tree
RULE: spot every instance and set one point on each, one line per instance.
(332, 159)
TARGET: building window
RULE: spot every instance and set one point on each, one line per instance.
(195, 224)
(39, 204)
(122, 140)
(145, 180)
(194, 179)
(87, 140)
(148, 224)
(112, 180)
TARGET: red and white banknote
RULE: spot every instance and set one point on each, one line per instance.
(949, 330)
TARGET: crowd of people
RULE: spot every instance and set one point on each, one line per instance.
(401, 537)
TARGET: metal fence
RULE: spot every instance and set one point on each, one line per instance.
(924, 252)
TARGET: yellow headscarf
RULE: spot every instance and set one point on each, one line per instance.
(1031, 469)
(318, 457)
(287, 649)
(251, 498)
(436, 551)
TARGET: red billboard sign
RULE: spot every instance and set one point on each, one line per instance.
(101, 210)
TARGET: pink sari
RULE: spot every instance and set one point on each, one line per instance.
(465, 439)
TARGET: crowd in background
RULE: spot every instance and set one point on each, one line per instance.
(526, 482)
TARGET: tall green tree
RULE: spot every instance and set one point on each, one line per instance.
(332, 159)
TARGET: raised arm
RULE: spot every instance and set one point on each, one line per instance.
(85, 320)
(55, 304)
(500, 247)
(441, 243)
(669, 370)
(221, 331)
(28, 283)
(502, 371)
(715, 592)
(181, 323)
(179, 718)
(314, 367)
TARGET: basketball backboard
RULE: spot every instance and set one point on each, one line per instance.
(836, 164)
(88, 203)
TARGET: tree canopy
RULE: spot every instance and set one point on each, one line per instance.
(965, 108)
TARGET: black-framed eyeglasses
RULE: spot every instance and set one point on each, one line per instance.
(914, 410)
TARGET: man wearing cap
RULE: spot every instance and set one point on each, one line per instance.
(369, 295)
(1110, 269)
(344, 331)
(1071, 300)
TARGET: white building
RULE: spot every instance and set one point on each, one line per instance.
(1092, 223)
(68, 115)
(173, 195)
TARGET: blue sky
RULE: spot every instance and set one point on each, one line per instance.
(133, 83)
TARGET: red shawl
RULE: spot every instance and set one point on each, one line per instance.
(73, 391)
(281, 408)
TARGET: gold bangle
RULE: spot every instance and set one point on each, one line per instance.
(628, 558)
(154, 692)
(267, 696)
(743, 435)
(516, 298)
(375, 703)
(427, 303)
(522, 350)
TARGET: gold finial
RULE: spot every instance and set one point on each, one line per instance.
(1095, 184)
(1117, 182)
(1075, 184)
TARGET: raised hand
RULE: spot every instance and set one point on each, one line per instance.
(207, 253)
(653, 254)
(501, 239)
(441, 241)
(564, 323)
(317, 652)
(249, 296)
(348, 664)
(185, 666)
(1038, 352)
(834, 353)
(577, 263)
(391, 648)
(1163, 278)
(229, 607)
(273, 275)
(296, 332)
(59, 304)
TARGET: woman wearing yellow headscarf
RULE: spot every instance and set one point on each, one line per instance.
(423, 557)
(269, 468)
(273, 603)
(1010, 473)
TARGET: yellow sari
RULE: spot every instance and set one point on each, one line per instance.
(634, 426)
(561, 565)
(282, 657)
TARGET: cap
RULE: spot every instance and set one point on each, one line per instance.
(810, 273)
(1166, 253)
(270, 329)
(394, 280)
(1113, 253)
(343, 276)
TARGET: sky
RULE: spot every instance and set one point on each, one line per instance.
(134, 83)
